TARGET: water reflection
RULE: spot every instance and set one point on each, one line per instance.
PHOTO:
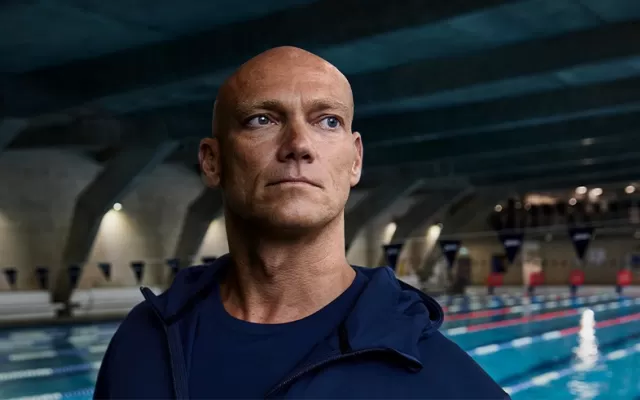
(587, 355)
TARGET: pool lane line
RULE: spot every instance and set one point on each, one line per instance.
(10, 345)
(50, 353)
(538, 318)
(48, 372)
(505, 297)
(86, 393)
(521, 308)
(57, 331)
(547, 336)
(494, 304)
(548, 377)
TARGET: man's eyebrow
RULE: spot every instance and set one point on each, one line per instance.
(329, 104)
(245, 108)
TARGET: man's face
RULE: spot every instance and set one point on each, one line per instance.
(287, 156)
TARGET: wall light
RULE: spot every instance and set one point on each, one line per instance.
(117, 207)
(581, 190)
(630, 189)
(573, 201)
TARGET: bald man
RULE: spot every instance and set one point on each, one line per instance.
(284, 314)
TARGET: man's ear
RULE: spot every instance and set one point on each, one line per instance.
(356, 167)
(209, 158)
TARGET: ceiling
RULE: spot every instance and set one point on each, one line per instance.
(539, 93)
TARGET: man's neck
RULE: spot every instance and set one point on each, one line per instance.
(276, 280)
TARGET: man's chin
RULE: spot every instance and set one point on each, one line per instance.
(296, 219)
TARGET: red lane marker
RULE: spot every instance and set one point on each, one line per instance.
(509, 322)
(479, 314)
(619, 320)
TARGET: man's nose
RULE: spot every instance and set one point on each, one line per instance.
(297, 144)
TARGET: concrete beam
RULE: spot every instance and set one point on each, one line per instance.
(117, 178)
(512, 141)
(513, 65)
(611, 151)
(549, 106)
(201, 212)
(376, 202)
(183, 59)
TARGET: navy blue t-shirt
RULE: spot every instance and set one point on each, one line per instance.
(238, 359)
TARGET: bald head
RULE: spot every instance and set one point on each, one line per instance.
(277, 70)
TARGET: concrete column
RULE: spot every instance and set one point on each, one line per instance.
(376, 202)
(204, 209)
(425, 212)
(117, 178)
(480, 203)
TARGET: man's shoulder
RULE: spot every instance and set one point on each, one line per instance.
(137, 327)
(460, 375)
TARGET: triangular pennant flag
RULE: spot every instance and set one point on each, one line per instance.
(74, 275)
(11, 274)
(138, 270)
(391, 254)
(512, 242)
(174, 266)
(581, 237)
(42, 273)
(106, 270)
(450, 250)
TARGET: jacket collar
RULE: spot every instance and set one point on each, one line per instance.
(388, 314)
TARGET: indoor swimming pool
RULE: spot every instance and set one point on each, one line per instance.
(551, 347)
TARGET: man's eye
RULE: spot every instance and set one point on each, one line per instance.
(259, 120)
(330, 123)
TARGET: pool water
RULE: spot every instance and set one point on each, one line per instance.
(545, 347)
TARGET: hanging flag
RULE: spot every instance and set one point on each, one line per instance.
(11, 274)
(511, 243)
(581, 237)
(106, 270)
(174, 266)
(138, 270)
(391, 254)
(74, 275)
(450, 250)
(42, 273)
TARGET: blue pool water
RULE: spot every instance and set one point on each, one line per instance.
(542, 348)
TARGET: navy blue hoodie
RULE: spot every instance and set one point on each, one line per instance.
(388, 346)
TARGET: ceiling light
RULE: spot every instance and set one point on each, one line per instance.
(595, 192)
(498, 208)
